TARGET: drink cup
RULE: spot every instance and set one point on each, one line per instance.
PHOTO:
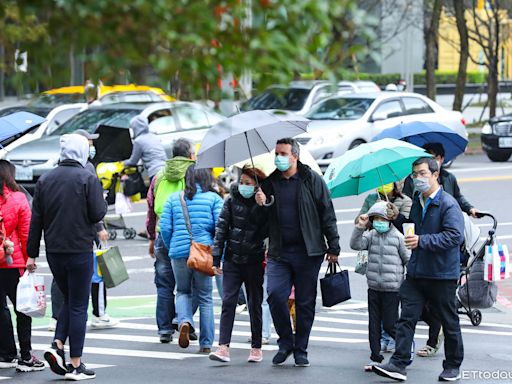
(408, 229)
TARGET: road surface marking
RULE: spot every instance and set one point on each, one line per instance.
(130, 352)
(480, 179)
(479, 169)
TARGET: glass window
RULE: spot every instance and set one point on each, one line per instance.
(90, 119)
(191, 118)
(162, 125)
(321, 94)
(291, 99)
(343, 108)
(60, 118)
(414, 106)
(390, 109)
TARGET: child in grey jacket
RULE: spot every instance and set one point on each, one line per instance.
(387, 257)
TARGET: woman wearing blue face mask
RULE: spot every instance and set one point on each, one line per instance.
(241, 239)
(387, 257)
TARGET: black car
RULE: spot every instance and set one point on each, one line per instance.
(496, 138)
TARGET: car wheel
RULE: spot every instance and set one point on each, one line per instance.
(499, 156)
(356, 143)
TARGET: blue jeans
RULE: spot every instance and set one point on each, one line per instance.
(164, 281)
(190, 283)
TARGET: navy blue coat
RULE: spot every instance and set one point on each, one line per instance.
(441, 234)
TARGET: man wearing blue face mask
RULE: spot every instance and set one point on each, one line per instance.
(302, 231)
(432, 272)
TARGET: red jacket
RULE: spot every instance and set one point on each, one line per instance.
(16, 213)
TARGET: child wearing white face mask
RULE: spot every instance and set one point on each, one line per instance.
(387, 257)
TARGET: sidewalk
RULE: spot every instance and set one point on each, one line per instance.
(505, 295)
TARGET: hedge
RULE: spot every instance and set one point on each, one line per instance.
(382, 79)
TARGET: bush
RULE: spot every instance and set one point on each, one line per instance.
(382, 79)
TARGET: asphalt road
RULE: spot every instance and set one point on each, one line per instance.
(338, 349)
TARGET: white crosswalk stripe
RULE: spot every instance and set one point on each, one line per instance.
(344, 324)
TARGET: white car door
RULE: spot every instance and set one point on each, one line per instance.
(387, 114)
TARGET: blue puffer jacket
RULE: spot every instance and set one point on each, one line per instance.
(441, 233)
(204, 210)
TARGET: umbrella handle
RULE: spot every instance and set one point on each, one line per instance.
(269, 203)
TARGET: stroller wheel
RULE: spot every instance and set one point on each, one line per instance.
(127, 233)
(133, 233)
(476, 317)
(112, 234)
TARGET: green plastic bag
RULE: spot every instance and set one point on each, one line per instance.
(112, 267)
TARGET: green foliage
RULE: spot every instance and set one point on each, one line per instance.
(191, 44)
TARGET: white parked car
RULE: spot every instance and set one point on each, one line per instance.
(359, 86)
(54, 120)
(299, 97)
(343, 122)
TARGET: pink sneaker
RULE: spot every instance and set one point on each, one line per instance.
(255, 356)
(221, 354)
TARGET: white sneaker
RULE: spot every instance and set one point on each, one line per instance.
(103, 322)
(53, 325)
(240, 308)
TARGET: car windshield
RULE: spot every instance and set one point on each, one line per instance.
(340, 109)
(90, 119)
(290, 99)
(45, 100)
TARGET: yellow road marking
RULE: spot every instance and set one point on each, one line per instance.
(479, 179)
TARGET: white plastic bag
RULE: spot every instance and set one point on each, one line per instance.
(30, 295)
(123, 204)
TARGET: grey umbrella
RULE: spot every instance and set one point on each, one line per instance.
(245, 135)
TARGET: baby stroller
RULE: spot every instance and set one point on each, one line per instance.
(110, 175)
(473, 291)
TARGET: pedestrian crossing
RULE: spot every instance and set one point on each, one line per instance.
(341, 326)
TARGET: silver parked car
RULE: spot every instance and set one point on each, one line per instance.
(169, 120)
(343, 122)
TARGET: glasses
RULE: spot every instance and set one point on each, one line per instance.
(415, 175)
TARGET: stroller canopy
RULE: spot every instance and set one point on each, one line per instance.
(114, 144)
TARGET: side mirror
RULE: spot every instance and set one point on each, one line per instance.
(378, 116)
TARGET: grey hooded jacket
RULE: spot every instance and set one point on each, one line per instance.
(146, 146)
(387, 257)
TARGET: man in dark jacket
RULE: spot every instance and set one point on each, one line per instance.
(69, 245)
(300, 221)
(446, 179)
(432, 271)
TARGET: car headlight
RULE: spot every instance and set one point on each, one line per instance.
(487, 129)
(318, 141)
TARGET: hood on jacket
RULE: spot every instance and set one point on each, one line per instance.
(378, 209)
(176, 168)
(74, 147)
(139, 125)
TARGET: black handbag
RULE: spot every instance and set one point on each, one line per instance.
(133, 184)
(335, 286)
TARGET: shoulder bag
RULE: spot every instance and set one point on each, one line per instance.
(200, 257)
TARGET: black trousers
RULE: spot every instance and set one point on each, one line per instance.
(72, 273)
(434, 324)
(234, 276)
(99, 299)
(300, 271)
(414, 293)
(9, 278)
(382, 309)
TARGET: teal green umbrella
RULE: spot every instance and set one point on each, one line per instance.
(371, 165)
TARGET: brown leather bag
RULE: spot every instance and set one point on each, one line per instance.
(200, 257)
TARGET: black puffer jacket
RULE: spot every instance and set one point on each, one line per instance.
(238, 231)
